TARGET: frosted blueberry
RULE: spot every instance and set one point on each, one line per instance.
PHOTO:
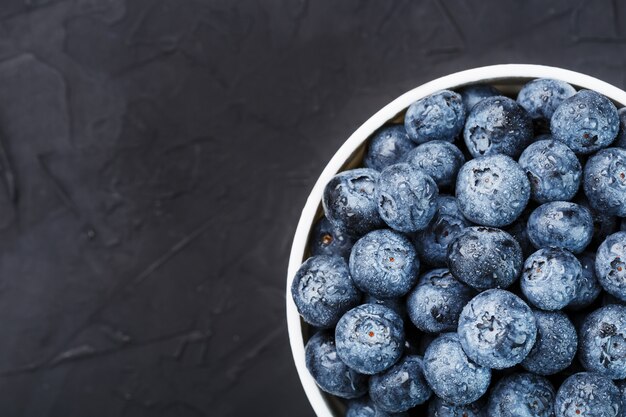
(485, 257)
(522, 395)
(396, 304)
(472, 94)
(588, 394)
(350, 201)
(620, 141)
(329, 372)
(451, 374)
(556, 344)
(605, 181)
(589, 287)
(327, 239)
(497, 125)
(551, 278)
(439, 159)
(553, 170)
(585, 122)
(406, 197)
(492, 191)
(370, 338)
(364, 407)
(611, 265)
(400, 387)
(439, 408)
(389, 145)
(497, 329)
(323, 290)
(384, 264)
(435, 303)
(561, 224)
(439, 116)
(603, 342)
(541, 97)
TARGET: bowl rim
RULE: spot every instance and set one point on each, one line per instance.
(487, 74)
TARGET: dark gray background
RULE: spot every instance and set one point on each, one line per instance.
(154, 158)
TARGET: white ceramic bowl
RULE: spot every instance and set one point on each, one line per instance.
(508, 78)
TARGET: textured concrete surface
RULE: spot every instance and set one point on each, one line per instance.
(154, 157)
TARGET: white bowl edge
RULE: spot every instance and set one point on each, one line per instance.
(493, 73)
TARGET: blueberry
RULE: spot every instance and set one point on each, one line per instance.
(432, 243)
(350, 201)
(561, 224)
(603, 224)
(384, 264)
(439, 408)
(587, 394)
(497, 329)
(585, 122)
(492, 191)
(556, 343)
(520, 233)
(522, 395)
(370, 338)
(451, 374)
(323, 290)
(439, 116)
(485, 257)
(400, 387)
(435, 303)
(439, 159)
(603, 342)
(589, 287)
(497, 125)
(406, 197)
(621, 385)
(396, 304)
(620, 141)
(542, 96)
(326, 239)
(551, 278)
(472, 94)
(330, 373)
(605, 181)
(553, 170)
(611, 265)
(389, 145)
(364, 407)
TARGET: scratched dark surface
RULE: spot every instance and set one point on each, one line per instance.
(154, 158)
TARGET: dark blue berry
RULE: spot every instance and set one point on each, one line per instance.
(492, 191)
(327, 239)
(542, 96)
(439, 116)
(439, 408)
(603, 342)
(587, 394)
(439, 159)
(472, 94)
(384, 264)
(370, 338)
(585, 122)
(522, 395)
(620, 141)
(389, 145)
(605, 181)
(589, 287)
(364, 407)
(561, 224)
(400, 387)
(323, 290)
(611, 265)
(396, 304)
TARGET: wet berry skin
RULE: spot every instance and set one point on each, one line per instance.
(329, 372)
(555, 346)
(439, 116)
(451, 374)
(497, 125)
(364, 407)
(620, 141)
(521, 395)
(541, 97)
(589, 287)
(550, 278)
(432, 243)
(350, 201)
(406, 197)
(492, 191)
(439, 408)
(553, 170)
(561, 224)
(485, 257)
(435, 303)
(588, 394)
(439, 159)
(384, 264)
(389, 145)
(472, 94)
(621, 385)
(605, 181)
(585, 122)
(603, 342)
(370, 338)
(400, 387)
(497, 329)
(326, 239)
(611, 265)
(323, 290)
(396, 304)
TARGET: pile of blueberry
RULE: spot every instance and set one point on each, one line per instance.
(475, 266)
